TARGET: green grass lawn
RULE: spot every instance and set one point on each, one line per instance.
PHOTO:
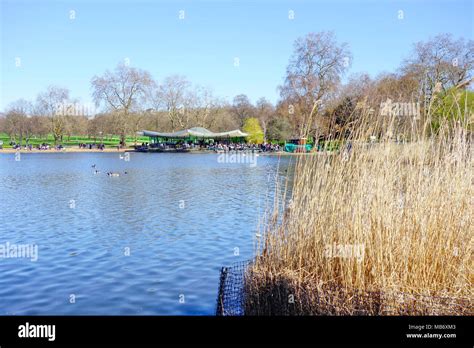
(73, 141)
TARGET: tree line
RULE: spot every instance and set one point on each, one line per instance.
(432, 82)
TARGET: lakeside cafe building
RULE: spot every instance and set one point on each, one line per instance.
(195, 135)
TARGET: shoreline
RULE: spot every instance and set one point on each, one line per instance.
(112, 150)
(66, 149)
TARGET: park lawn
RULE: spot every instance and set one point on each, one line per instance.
(73, 140)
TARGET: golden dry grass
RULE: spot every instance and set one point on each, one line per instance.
(387, 229)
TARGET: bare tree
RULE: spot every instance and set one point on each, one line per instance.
(185, 105)
(121, 91)
(222, 117)
(440, 63)
(242, 108)
(76, 125)
(136, 120)
(99, 126)
(205, 108)
(17, 120)
(15, 124)
(313, 73)
(40, 126)
(51, 103)
(173, 96)
(280, 126)
(265, 113)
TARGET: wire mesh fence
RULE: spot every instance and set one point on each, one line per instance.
(280, 297)
(230, 299)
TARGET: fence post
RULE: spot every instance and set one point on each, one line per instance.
(220, 297)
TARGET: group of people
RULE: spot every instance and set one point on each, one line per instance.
(267, 147)
(91, 146)
(216, 146)
(270, 147)
(19, 147)
(30, 147)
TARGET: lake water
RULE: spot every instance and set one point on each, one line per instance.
(141, 243)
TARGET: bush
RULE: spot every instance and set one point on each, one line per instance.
(252, 127)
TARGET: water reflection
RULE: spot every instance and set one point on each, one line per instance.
(130, 244)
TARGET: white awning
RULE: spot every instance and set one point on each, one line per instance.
(198, 132)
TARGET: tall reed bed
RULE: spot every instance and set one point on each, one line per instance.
(373, 229)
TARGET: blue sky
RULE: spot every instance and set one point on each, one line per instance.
(55, 49)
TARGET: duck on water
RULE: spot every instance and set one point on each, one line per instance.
(114, 173)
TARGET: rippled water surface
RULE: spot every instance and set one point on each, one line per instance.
(180, 216)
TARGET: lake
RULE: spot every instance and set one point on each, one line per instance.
(149, 242)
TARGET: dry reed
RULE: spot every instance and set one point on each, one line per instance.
(382, 228)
